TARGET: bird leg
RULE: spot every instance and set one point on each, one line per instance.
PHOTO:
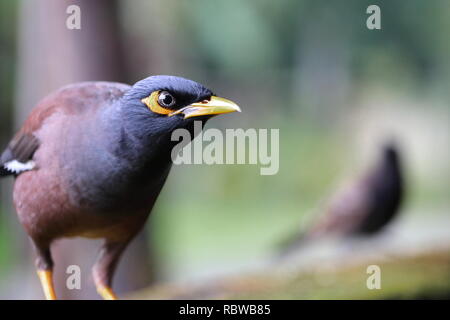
(47, 283)
(105, 266)
(44, 264)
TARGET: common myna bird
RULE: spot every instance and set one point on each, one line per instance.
(363, 207)
(91, 160)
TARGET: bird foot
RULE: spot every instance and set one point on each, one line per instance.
(47, 284)
(106, 293)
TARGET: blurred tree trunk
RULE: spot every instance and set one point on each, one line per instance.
(50, 56)
(14, 246)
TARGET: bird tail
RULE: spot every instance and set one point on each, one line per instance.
(4, 172)
(292, 244)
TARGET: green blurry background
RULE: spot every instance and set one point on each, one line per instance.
(335, 89)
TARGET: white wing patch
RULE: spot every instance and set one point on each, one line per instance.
(17, 167)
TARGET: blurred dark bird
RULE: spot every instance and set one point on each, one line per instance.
(364, 207)
(91, 160)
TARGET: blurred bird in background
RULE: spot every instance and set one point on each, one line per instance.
(362, 208)
(92, 158)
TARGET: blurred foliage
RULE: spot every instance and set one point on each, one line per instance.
(8, 14)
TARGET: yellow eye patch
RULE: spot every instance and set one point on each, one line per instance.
(152, 103)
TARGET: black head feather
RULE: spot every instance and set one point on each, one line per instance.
(144, 124)
(184, 90)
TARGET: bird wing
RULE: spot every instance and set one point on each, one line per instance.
(344, 212)
(18, 156)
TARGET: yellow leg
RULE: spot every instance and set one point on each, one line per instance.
(106, 293)
(47, 284)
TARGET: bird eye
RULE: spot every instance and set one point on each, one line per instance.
(165, 99)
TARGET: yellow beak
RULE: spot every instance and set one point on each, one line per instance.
(215, 105)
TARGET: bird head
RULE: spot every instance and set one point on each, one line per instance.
(390, 152)
(164, 103)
